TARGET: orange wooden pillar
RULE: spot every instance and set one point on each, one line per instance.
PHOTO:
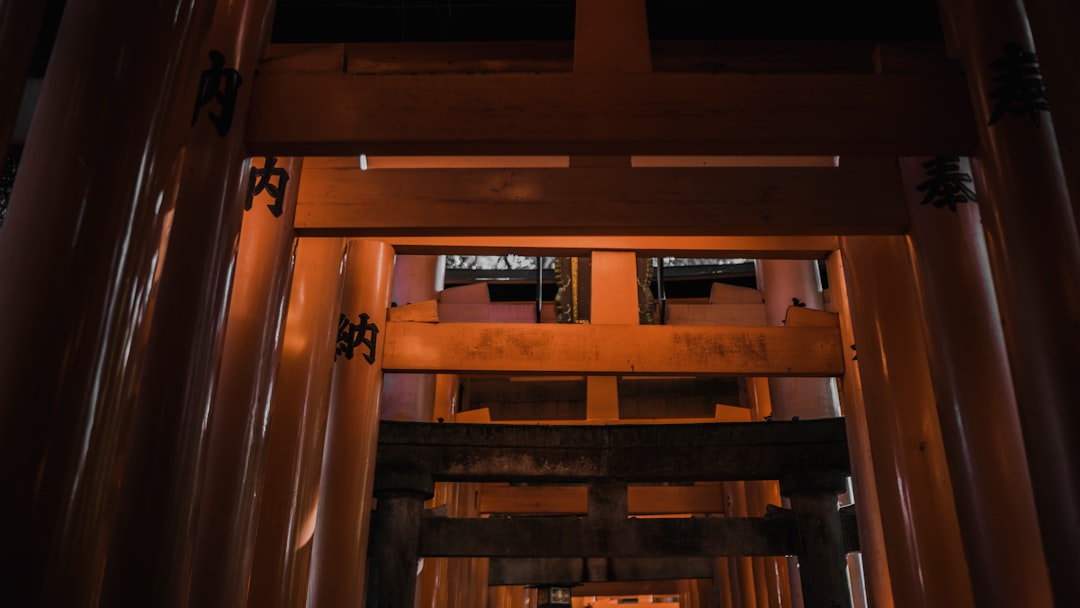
(926, 557)
(777, 579)
(863, 478)
(338, 562)
(87, 225)
(279, 573)
(744, 589)
(1035, 258)
(976, 402)
(785, 283)
(240, 411)
(164, 485)
(435, 579)
(417, 278)
(20, 23)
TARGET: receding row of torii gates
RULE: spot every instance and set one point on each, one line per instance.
(190, 393)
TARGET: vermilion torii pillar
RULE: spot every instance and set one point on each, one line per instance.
(279, 573)
(339, 557)
(240, 411)
(976, 402)
(925, 554)
(152, 558)
(85, 233)
(1035, 258)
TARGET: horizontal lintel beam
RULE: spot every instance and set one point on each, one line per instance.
(752, 247)
(862, 196)
(631, 453)
(582, 537)
(581, 349)
(330, 112)
(642, 500)
(572, 570)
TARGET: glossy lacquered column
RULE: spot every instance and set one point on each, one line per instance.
(435, 581)
(294, 455)
(926, 557)
(417, 278)
(240, 412)
(1052, 24)
(975, 398)
(84, 237)
(339, 558)
(1035, 258)
(785, 283)
(153, 556)
(20, 23)
(875, 560)
(777, 580)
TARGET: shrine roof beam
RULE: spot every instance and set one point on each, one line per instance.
(296, 113)
(624, 350)
(862, 196)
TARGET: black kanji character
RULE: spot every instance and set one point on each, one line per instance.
(259, 180)
(1020, 89)
(947, 185)
(218, 83)
(351, 335)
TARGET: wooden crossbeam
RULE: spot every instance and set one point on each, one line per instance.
(330, 112)
(643, 500)
(862, 196)
(753, 247)
(572, 570)
(631, 453)
(518, 348)
(577, 537)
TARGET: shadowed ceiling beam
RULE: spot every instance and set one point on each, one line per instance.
(861, 196)
(330, 112)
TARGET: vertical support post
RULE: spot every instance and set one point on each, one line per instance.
(614, 300)
(926, 558)
(863, 478)
(295, 448)
(417, 278)
(338, 562)
(1059, 59)
(1034, 252)
(661, 294)
(777, 577)
(94, 225)
(436, 580)
(822, 557)
(235, 465)
(395, 534)
(190, 343)
(786, 283)
(539, 288)
(975, 397)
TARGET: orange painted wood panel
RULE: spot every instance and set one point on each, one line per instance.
(612, 349)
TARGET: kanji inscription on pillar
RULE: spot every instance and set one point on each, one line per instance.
(1019, 85)
(263, 179)
(218, 85)
(352, 336)
(947, 186)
